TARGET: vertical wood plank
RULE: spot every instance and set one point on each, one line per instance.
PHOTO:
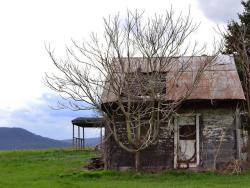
(197, 138)
(176, 135)
(237, 128)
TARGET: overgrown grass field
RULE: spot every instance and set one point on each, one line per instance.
(64, 168)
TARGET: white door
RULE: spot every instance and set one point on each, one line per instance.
(186, 142)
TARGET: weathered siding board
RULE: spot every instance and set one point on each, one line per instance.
(217, 135)
(217, 142)
(116, 156)
(158, 156)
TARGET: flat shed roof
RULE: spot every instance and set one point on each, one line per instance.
(91, 122)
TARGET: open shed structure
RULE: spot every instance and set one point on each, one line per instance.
(79, 124)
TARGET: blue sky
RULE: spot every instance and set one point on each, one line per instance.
(38, 117)
(26, 25)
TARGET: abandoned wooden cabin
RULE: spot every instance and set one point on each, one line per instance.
(207, 132)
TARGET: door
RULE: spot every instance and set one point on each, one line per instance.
(186, 141)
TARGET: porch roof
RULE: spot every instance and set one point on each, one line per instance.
(91, 122)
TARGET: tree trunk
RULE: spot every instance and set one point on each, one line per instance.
(137, 161)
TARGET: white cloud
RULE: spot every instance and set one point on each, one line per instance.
(27, 24)
(221, 11)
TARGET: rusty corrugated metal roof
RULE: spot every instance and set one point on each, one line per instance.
(219, 81)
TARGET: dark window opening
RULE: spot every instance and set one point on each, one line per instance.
(187, 132)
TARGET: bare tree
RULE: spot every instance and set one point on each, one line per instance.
(130, 74)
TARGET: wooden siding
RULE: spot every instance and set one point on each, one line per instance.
(217, 142)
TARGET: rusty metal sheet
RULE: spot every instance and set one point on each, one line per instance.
(212, 85)
(219, 81)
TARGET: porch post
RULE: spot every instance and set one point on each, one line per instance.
(73, 139)
(83, 137)
(79, 146)
(101, 139)
(197, 119)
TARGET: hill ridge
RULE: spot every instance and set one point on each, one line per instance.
(16, 138)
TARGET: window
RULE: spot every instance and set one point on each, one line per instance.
(145, 83)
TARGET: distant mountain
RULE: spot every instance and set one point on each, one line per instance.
(18, 138)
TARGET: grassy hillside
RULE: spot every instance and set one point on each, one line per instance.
(64, 168)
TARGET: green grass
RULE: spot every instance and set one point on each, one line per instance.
(64, 168)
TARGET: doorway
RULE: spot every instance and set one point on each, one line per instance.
(186, 141)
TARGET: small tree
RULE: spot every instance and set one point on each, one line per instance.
(107, 74)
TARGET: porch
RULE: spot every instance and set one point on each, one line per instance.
(78, 129)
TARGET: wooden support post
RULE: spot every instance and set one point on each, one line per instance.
(101, 139)
(79, 138)
(73, 139)
(81, 143)
(77, 143)
(83, 137)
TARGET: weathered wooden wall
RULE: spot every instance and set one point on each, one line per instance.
(217, 141)
(158, 156)
(217, 135)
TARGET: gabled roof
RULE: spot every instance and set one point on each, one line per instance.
(219, 81)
